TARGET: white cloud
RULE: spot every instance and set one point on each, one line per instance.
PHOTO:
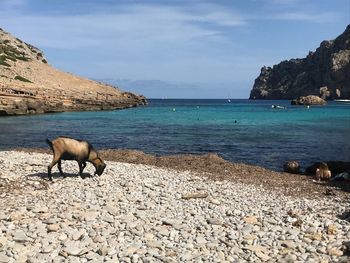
(132, 24)
(286, 2)
(324, 17)
(11, 4)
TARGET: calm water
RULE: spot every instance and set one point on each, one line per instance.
(261, 135)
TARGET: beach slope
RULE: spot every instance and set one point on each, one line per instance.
(137, 212)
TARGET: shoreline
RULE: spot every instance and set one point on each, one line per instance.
(143, 213)
(213, 167)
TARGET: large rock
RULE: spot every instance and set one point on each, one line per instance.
(308, 100)
(325, 73)
(292, 167)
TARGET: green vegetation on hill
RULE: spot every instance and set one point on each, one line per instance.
(8, 52)
(23, 79)
(3, 61)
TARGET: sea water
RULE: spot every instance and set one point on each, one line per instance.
(238, 130)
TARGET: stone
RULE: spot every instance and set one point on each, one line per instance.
(77, 235)
(332, 229)
(200, 240)
(288, 244)
(292, 167)
(250, 220)
(131, 250)
(315, 236)
(4, 258)
(103, 250)
(72, 250)
(20, 236)
(40, 209)
(15, 216)
(111, 209)
(90, 215)
(154, 244)
(149, 236)
(215, 201)
(163, 231)
(334, 252)
(172, 222)
(214, 221)
(53, 227)
(3, 241)
(262, 256)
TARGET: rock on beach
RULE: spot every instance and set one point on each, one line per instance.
(137, 213)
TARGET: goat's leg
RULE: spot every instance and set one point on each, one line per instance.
(81, 168)
(84, 165)
(52, 164)
(59, 165)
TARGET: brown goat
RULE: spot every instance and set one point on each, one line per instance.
(65, 148)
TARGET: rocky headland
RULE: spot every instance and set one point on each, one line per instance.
(324, 73)
(143, 213)
(308, 100)
(29, 85)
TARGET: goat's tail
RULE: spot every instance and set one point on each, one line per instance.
(49, 143)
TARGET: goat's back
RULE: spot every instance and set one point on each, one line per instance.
(68, 146)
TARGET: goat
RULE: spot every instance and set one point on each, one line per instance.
(323, 172)
(65, 148)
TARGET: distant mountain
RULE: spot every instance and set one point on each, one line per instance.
(29, 85)
(180, 89)
(157, 88)
(325, 72)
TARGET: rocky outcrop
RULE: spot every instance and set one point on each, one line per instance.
(292, 167)
(29, 85)
(308, 100)
(325, 73)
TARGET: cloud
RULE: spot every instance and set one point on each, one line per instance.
(149, 24)
(306, 11)
(11, 4)
(324, 17)
(286, 2)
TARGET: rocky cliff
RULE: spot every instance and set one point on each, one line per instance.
(325, 72)
(29, 85)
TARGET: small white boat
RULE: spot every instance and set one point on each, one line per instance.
(278, 107)
(343, 101)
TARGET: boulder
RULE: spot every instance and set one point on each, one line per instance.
(292, 167)
(308, 100)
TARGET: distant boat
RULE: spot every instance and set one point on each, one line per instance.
(228, 100)
(278, 107)
(342, 101)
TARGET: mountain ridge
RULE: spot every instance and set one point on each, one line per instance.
(30, 85)
(324, 72)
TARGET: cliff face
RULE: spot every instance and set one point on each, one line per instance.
(325, 72)
(29, 85)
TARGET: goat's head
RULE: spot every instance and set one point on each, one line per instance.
(99, 166)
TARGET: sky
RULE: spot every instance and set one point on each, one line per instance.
(174, 49)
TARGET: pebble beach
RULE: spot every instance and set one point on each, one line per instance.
(142, 213)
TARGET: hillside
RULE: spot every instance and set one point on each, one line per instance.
(325, 72)
(29, 85)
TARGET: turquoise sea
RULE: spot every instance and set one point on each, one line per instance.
(240, 130)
